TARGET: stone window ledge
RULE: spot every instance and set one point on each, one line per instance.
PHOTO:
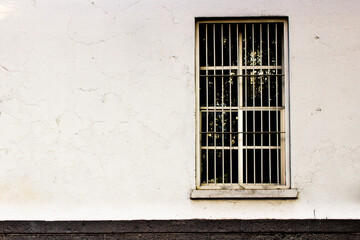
(245, 194)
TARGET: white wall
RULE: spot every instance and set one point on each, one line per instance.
(97, 109)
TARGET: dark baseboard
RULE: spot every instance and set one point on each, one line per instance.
(180, 229)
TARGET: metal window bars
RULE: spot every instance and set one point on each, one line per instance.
(241, 81)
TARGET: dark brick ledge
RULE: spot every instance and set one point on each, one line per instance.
(181, 227)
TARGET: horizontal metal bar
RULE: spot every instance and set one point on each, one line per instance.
(236, 67)
(242, 148)
(248, 108)
(242, 132)
(243, 75)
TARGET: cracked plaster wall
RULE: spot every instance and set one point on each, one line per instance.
(97, 109)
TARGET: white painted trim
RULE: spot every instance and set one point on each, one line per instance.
(244, 194)
(286, 99)
(197, 110)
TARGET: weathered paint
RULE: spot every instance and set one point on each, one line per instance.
(97, 109)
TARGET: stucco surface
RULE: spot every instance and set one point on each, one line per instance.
(97, 102)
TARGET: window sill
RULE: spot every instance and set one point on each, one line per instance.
(244, 194)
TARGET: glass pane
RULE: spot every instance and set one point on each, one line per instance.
(235, 166)
(247, 43)
(266, 164)
(234, 128)
(265, 89)
(226, 123)
(203, 121)
(226, 88)
(211, 93)
(275, 166)
(248, 124)
(248, 159)
(203, 93)
(227, 168)
(211, 129)
(219, 128)
(210, 40)
(202, 42)
(226, 128)
(218, 45)
(266, 123)
(211, 165)
(254, 166)
(258, 167)
(234, 44)
(218, 88)
(272, 44)
(275, 138)
(275, 88)
(203, 166)
(219, 167)
(255, 90)
(225, 42)
(280, 33)
(255, 54)
(233, 81)
(256, 128)
(265, 44)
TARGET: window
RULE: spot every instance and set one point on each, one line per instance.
(242, 105)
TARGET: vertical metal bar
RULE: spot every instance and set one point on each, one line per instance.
(246, 110)
(253, 85)
(214, 104)
(261, 107)
(269, 77)
(230, 99)
(207, 105)
(222, 102)
(197, 100)
(240, 104)
(277, 127)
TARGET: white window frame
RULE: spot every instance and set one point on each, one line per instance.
(238, 190)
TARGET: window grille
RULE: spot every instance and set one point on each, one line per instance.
(242, 104)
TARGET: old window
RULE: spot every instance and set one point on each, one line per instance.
(242, 104)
